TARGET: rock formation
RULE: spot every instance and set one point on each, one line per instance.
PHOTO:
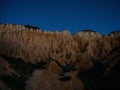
(60, 52)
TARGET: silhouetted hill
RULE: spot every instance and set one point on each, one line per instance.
(32, 59)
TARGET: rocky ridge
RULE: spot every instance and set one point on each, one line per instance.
(86, 52)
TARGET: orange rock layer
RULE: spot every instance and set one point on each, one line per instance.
(34, 45)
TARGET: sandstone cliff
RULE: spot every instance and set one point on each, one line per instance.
(61, 52)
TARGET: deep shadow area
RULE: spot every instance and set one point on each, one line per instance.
(91, 76)
(24, 69)
(111, 81)
(65, 78)
(94, 78)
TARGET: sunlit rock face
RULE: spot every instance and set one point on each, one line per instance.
(31, 59)
(114, 33)
(45, 80)
(87, 35)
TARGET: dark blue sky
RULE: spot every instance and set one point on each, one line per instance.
(102, 16)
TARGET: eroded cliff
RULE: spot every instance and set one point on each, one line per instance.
(60, 52)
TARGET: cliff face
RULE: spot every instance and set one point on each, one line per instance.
(61, 51)
(35, 45)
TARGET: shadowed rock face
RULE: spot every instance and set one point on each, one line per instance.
(76, 62)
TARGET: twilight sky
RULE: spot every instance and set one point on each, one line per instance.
(102, 16)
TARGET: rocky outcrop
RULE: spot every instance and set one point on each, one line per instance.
(34, 45)
(85, 55)
(52, 81)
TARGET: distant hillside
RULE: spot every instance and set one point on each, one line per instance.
(80, 57)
